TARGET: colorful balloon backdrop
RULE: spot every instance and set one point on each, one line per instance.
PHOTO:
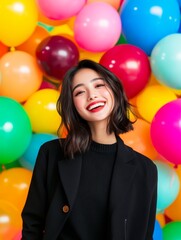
(137, 40)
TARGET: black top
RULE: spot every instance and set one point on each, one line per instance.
(90, 210)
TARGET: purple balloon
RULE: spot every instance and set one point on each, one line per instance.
(56, 55)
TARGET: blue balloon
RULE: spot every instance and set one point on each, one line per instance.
(29, 157)
(158, 233)
(144, 23)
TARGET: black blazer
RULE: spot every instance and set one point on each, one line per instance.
(54, 185)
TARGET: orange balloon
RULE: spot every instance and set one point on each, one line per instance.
(31, 43)
(10, 220)
(14, 186)
(3, 49)
(161, 219)
(20, 75)
(114, 3)
(139, 139)
(42, 18)
(174, 210)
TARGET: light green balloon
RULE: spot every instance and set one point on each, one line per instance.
(168, 185)
(166, 61)
(172, 231)
(15, 130)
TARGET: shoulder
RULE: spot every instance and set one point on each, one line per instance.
(51, 150)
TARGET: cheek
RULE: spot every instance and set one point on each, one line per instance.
(78, 104)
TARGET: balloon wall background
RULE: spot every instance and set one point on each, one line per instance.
(140, 41)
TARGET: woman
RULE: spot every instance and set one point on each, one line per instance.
(91, 185)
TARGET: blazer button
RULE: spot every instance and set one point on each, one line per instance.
(65, 208)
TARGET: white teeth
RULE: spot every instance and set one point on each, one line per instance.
(100, 104)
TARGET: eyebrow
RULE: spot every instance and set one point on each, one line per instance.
(92, 80)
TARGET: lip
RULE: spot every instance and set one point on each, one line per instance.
(93, 103)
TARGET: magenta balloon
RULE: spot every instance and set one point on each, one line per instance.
(166, 131)
(55, 55)
(130, 64)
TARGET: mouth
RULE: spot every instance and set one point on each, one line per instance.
(95, 106)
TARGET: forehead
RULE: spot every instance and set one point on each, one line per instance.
(84, 75)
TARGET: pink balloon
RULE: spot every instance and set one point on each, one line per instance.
(97, 27)
(166, 131)
(60, 9)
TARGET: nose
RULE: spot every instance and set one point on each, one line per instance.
(91, 96)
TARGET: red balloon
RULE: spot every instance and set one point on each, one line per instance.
(130, 64)
(55, 55)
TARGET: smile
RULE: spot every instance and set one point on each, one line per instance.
(95, 105)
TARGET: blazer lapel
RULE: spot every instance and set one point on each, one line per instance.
(70, 171)
(122, 179)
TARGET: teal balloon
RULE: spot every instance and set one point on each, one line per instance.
(28, 159)
(172, 231)
(15, 130)
(165, 61)
(168, 185)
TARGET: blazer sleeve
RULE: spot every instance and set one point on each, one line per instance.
(33, 214)
(152, 215)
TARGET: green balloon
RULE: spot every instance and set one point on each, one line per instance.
(15, 130)
(172, 231)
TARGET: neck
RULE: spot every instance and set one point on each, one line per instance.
(100, 135)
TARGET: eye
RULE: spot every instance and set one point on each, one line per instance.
(79, 93)
(100, 85)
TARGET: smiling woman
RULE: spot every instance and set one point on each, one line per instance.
(102, 186)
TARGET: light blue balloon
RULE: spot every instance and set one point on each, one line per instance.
(168, 185)
(29, 157)
(166, 61)
(158, 233)
(144, 23)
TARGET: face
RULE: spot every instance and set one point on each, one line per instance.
(92, 97)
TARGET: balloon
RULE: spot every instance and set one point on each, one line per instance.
(113, 3)
(151, 99)
(15, 130)
(91, 55)
(19, 20)
(139, 139)
(97, 27)
(144, 23)
(20, 75)
(14, 186)
(166, 131)
(157, 234)
(172, 230)
(33, 41)
(168, 185)
(47, 84)
(60, 9)
(41, 109)
(18, 236)
(3, 49)
(130, 64)
(55, 55)
(47, 22)
(161, 219)
(174, 211)
(29, 157)
(10, 220)
(165, 61)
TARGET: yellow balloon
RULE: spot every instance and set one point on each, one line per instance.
(18, 21)
(151, 99)
(62, 29)
(41, 109)
(91, 55)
